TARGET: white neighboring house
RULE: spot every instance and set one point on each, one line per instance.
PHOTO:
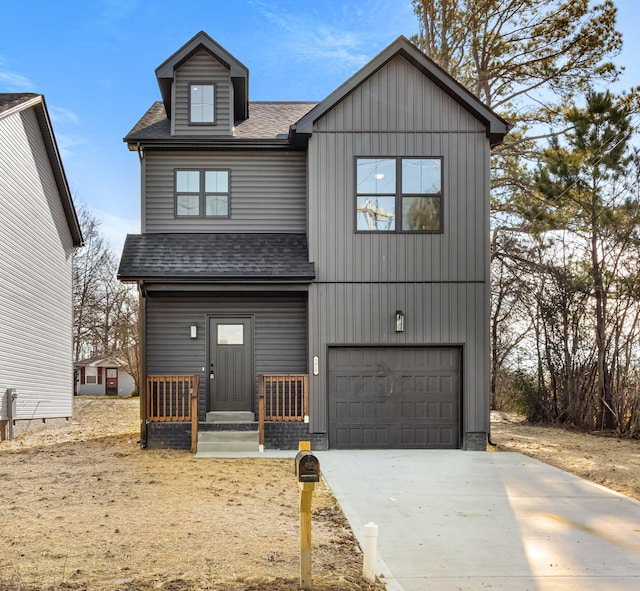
(103, 376)
(39, 231)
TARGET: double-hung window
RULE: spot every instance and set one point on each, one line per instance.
(202, 192)
(399, 195)
(202, 108)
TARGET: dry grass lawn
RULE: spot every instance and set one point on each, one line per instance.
(84, 508)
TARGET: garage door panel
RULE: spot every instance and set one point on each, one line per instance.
(394, 397)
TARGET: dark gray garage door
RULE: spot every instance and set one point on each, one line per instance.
(394, 397)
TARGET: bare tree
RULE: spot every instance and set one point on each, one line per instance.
(105, 310)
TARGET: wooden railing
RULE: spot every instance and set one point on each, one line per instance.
(174, 398)
(282, 397)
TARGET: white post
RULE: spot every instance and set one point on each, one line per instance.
(370, 551)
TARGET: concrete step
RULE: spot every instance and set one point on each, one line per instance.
(244, 416)
(211, 442)
(237, 436)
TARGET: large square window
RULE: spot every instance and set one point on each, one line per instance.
(399, 194)
(202, 103)
(202, 193)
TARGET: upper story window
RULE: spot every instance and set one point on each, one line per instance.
(202, 192)
(202, 108)
(399, 195)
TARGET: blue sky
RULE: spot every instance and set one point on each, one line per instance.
(94, 60)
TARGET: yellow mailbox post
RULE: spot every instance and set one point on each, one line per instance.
(307, 469)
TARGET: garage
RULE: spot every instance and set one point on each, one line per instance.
(394, 397)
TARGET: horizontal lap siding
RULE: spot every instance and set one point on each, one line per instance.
(268, 191)
(201, 67)
(280, 333)
(36, 249)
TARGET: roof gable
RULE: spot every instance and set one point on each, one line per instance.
(11, 103)
(496, 127)
(238, 71)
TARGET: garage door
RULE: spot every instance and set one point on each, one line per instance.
(394, 397)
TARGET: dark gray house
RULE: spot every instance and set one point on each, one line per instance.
(322, 268)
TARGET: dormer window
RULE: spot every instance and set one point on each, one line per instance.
(202, 104)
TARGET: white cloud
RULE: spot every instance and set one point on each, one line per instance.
(115, 229)
(62, 115)
(67, 143)
(13, 81)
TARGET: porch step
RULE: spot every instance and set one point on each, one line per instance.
(227, 441)
(245, 416)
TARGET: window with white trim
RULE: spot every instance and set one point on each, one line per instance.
(399, 194)
(202, 108)
(202, 193)
(91, 375)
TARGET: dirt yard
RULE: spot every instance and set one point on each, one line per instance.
(83, 508)
(609, 461)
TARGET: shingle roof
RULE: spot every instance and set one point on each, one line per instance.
(216, 257)
(9, 100)
(266, 121)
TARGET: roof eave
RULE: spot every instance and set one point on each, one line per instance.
(38, 104)
(497, 127)
(217, 279)
(238, 71)
(204, 143)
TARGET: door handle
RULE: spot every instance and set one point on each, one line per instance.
(212, 376)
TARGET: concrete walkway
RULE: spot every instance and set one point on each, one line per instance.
(456, 520)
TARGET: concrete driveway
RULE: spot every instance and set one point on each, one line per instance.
(458, 520)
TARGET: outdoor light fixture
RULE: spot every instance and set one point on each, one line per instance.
(194, 331)
(399, 321)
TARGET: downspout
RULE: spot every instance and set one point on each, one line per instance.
(142, 320)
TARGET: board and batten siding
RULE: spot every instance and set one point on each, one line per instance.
(440, 281)
(36, 247)
(267, 191)
(202, 68)
(435, 314)
(398, 112)
(280, 333)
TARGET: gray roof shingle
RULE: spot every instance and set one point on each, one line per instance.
(216, 257)
(266, 121)
(9, 100)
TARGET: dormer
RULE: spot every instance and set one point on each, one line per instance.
(204, 88)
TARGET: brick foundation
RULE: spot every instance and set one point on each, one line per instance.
(277, 435)
(475, 441)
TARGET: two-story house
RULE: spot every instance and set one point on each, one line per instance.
(326, 262)
(39, 231)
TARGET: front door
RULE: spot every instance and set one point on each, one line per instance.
(112, 381)
(230, 364)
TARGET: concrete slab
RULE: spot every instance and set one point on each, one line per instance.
(462, 521)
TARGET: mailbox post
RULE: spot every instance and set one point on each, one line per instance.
(307, 469)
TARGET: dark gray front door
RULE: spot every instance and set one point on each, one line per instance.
(394, 397)
(230, 364)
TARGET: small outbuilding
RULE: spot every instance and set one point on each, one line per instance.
(103, 376)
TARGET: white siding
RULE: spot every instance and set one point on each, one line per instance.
(35, 276)
(126, 385)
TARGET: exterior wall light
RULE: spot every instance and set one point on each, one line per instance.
(194, 331)
(399, 321)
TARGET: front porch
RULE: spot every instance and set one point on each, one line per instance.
(171, 418)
